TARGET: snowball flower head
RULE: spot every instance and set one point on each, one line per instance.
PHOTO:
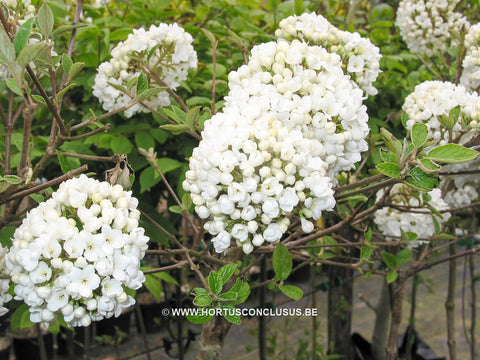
(291, 122)
(164, 51)
(419, 221)
(70, 246)
(427, 25)
(360, 58)
(4, 283)
(471, 63)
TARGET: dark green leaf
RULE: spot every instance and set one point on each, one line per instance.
(230, 296)
(199, 319)
(144, 140)
(419, 134)
(153, 285)
(20, 318)
(393, 144)
(293, 292)
(366, 252)
(215, 283)
(392, 276)
(121, 145)
(452, 154)
(142, 83)
(226, 272)
(230, 313)
(390, 169)
(422, 181)
(242, 288)
(404, 256)
(200, 291)
(202, 300)
(37, 197)
(282, 262)
(390, 260)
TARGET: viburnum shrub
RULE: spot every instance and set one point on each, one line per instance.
(78, 253)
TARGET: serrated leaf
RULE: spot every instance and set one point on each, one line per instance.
(242, 289)
(392, 276)
(214, 282)
(419, 134)
(226, 272)
(452, 154)
(12, 85)
(230, 313)
(202, 300)
(142, 83)
(389, 169)
(404, 256)
(390, 260)
(22, 35)
(422, 181)
(45, 20)
(199, 319)
(282, 262)
(293, 292)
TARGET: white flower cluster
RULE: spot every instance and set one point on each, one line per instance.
(419, 220)
(76, 253)
(292, 120)
(360, 58)
(165, 49)
(427, 25)
(432, 99)
(471, 64)
(4, 283)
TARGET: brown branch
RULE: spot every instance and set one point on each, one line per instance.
(178, 265)
(359, 183)
(45, 185)
(86, 135)
(90, 157)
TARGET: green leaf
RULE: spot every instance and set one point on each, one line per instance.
(66, 63)
(149, 176)
(148, 93)
(430, 165)
(390, 169)
(187, 201)
(446, 121)
(392, 276)
(166, 277)
(422, 181)
(175, 209)
(455, 113)
(404, 256)
(75, 69)
(229, 312)
(200, 291)
(7, 50)
(368, 234)
(226, 272)
(6, 236)
(392, 143)
(31, 52)
(20, 318)
(293, 292)
(366, 252)
(209, 36)
(199, 319)
(191, 116)
(12, 85)
(45, 20)
(62, 92)
(37, 197)
(121, 145)
(22, 35)
(390, 260)
(452, 154)
(282, 262)
(54, 328)
(142, 83)
(153, 286)
(144, 140)
(65, 163)
(242, 289)
(176, 129)
(202, 300)
(229, 296)
(39, 99)
(388, 156)
(419, 134)
(214, 282)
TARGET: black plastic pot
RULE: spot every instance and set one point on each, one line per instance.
(26, 348)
